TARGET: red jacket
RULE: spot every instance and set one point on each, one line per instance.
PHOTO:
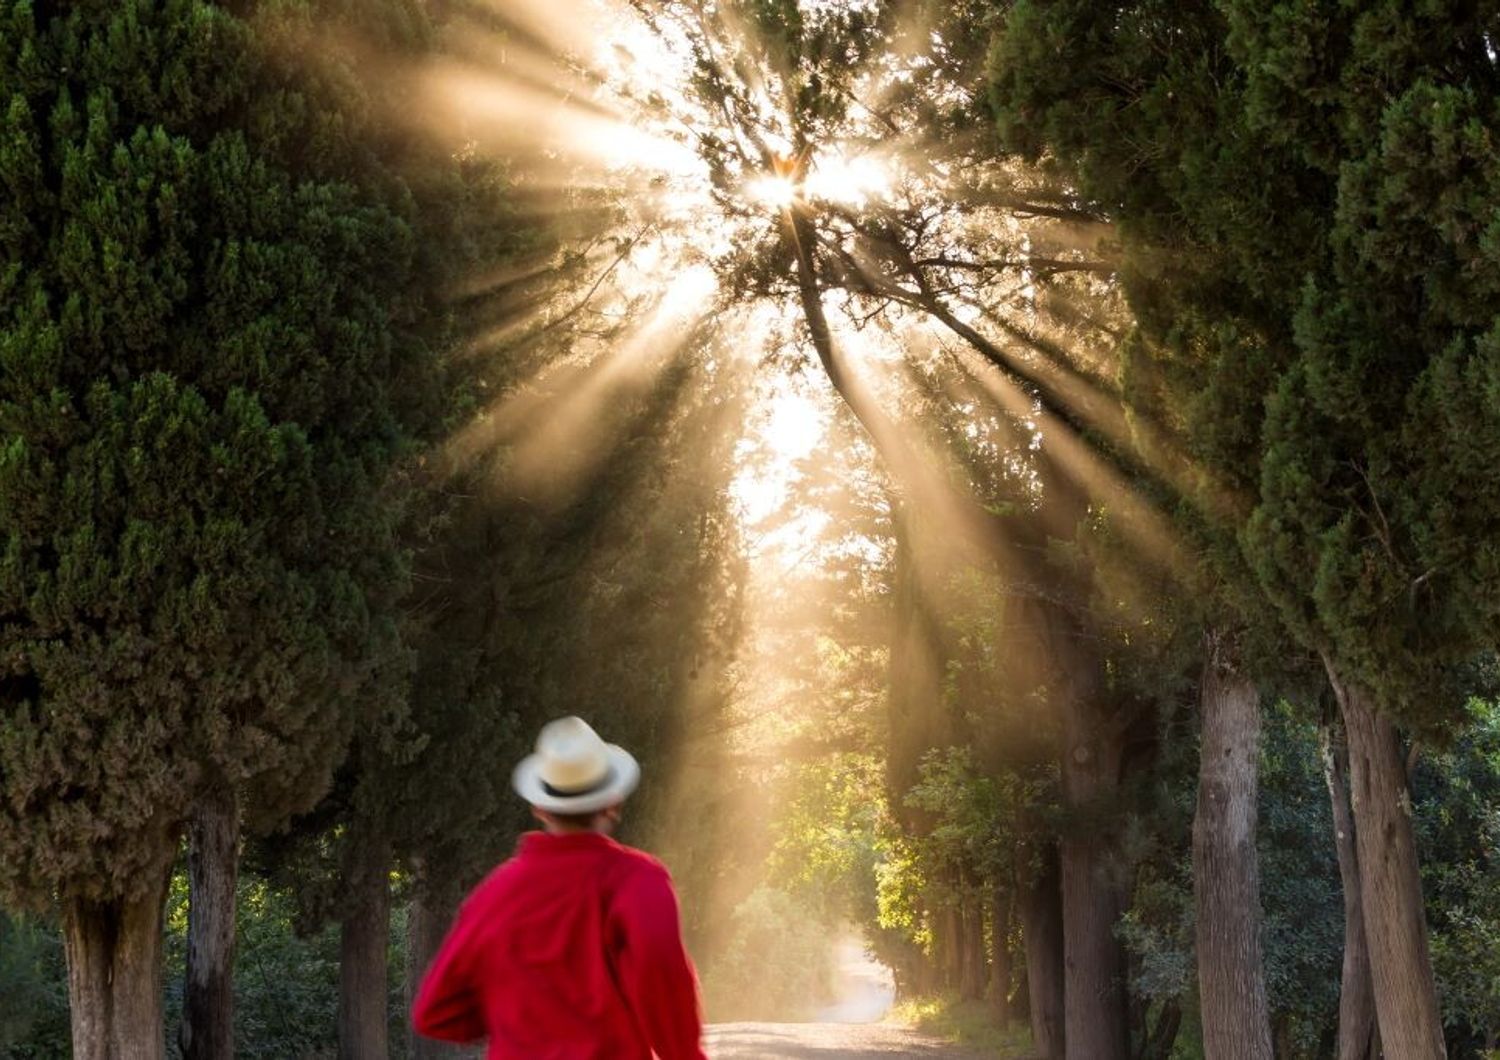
(571, 950)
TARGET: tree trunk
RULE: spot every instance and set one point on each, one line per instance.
(926, 976)
(1281, 1034)
(1406, 1006)
(1356, 1040)
(1095, 1014)
(953, 946)
(1040, 906)
(114, 973)
(427, 921)
(207, 1031)
(363, 973)
(1019, 1010)
(1226, 872)
(971, 986)
(1002, 970)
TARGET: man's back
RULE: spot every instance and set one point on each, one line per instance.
(569, 951)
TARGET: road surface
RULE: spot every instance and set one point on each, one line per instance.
(826, 1041)
(848, 1028)
(863, 991)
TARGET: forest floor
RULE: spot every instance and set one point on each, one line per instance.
(828, 1041)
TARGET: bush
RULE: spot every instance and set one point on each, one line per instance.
(33, 991)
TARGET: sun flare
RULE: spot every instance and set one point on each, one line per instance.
(838, 179)
(773, 191)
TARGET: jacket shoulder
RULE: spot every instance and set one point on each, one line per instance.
(635, 872)
(487, 890)
(632, 860)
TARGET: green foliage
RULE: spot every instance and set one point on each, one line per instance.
(1304, 195)
(978, 832)
(33, 983)
(990, 687)
(215, 346)
(901, 883)
(285, 984)
(1457, 803)
(981, 827)
(1154, 868)
(1403, 577)
(840, 853)
(1302, 932)
(1157, 931)
(832, 835)
(1302, 927)
(1138, 108)
(1454, 798)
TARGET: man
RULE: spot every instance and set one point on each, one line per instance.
(571, 950)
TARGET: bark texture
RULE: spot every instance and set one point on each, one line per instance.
(950, 944)
(1406, 1006)
(1040, 908)
(1226, 869)
(114, 973)
(971, 984)
(1095, 1013)
(363, 972)
(1002, 970)
(207, 1031)
(1356, 1037)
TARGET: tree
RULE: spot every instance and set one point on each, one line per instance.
(1322, 217)
(213, 354)
(777, 112)
(1191, 376)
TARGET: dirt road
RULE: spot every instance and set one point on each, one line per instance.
(825, 1041)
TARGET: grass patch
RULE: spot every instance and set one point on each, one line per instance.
(968, 1023)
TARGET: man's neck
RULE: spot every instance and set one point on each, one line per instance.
(561, 829)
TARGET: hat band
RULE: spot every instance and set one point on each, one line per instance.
(574, 793)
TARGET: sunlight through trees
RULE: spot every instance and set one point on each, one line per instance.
(1021, 475)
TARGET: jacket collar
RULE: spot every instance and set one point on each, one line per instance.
(534, 843)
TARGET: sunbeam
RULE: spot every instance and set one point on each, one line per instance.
(920, 428)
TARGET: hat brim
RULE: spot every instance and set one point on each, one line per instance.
(625, 774)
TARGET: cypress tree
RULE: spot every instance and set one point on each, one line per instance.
(1377, 528)
(210, 356)
(1306, 192)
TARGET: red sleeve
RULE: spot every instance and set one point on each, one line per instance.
(448, 1006)
(655, 974)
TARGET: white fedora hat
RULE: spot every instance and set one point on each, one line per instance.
(574, 771)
